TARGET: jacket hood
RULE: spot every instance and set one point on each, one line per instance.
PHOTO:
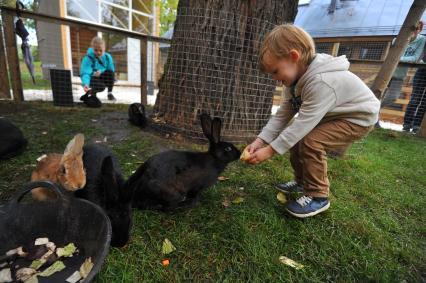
(324, 63)
(91, 52)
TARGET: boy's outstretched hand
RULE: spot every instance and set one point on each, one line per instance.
(261, 155)
(258, 143)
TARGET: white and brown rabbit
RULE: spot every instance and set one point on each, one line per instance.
(175, 178)
(64, 169)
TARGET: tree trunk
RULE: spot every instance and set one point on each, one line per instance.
(212, 66)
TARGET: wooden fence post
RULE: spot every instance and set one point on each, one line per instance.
(12, 56)
(395, 52)
(144, 71)
(4, 77)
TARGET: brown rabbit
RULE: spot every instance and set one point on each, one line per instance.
(65, 169)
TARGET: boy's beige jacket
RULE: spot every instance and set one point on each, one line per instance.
(328, 90)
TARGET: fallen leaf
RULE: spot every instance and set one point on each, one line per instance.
(165, 262)
(36, 264)
(222, 178)
(167, 247)
(40, 158)
(51, 246)
(238, 200)
(241, 188)
(66, 251)
(226, 203)
(86, 267)
(19, 251)
(44, 133)
(25, 273)
(6, 275)
(41, 241)
(281, 197)
(56, 267)
(75, 277)
(291, 262)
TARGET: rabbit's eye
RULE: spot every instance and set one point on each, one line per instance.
(63, 171)
(228, 148)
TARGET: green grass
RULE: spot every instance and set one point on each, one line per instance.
(374, 231)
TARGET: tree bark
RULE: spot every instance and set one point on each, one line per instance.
(212, 66)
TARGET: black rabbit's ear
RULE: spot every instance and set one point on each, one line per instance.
(206, 125)
(216, 127)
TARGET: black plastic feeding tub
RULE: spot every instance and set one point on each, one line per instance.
(63, 220)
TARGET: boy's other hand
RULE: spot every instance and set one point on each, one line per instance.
(254, 146)
(86, 88)
(261, 155)
(97, 74)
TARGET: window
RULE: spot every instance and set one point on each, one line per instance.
(114, 16)
(363, 50)
(142, 24)
(116, 45)
(124, 3)
(85, 10)
(373, 50)
(144, 6)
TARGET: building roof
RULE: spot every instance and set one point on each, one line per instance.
(353, 17)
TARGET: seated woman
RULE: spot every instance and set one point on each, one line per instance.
(97, 70)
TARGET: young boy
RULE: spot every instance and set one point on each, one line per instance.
(334, 108)
(97, 70)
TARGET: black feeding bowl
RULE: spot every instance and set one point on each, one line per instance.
(63, 220)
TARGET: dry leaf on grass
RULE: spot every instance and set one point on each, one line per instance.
(167, 247)
(291, 262)
(281, 197)
(226, 203)
(238, 200)
(222, 178)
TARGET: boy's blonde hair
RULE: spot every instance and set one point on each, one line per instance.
(97, 41)
(284, 38)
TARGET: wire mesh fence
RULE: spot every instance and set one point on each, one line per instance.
(61, 46)
(213, 68)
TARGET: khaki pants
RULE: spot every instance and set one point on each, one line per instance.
(308, 157)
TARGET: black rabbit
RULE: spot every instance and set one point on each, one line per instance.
(137, 115)
(12, 141)
(175, 178)
(105, 186)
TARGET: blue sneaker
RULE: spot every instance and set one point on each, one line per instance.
(290, 187)
(307, 206)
